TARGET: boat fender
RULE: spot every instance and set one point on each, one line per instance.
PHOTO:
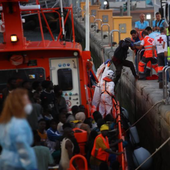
(134, 135)
(125, 113)
(139, 156)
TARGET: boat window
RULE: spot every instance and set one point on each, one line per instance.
(33, 74)
(65, 79)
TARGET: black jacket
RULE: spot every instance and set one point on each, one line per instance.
(121, 51)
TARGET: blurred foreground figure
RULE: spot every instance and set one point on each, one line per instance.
(16, 136)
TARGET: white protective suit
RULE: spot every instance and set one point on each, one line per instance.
(97, 91)
(107, 91)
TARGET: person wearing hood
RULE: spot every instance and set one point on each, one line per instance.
(119, 58)
(16, 135)
(107, 91)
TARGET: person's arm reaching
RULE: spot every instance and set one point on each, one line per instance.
(115, 143)
(100, 144)
(112, 152)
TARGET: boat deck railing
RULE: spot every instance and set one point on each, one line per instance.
(116, 112)
(41, 12)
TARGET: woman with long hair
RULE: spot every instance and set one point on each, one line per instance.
(15, 133)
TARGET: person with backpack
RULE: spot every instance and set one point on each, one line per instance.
(159, 22)
(119, 58)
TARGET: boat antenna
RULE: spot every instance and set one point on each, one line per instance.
(62, 19)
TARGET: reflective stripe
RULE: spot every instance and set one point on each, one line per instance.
(148, 49)
(142, 62)
(148, 46)
(160, 71)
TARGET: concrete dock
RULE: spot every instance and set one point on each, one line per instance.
(137, 97)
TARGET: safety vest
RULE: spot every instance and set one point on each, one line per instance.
(101, 154)
(168, 58)
(140, 35)
(148, 46)
(106, 79)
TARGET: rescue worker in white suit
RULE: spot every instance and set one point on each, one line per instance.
(107, 91)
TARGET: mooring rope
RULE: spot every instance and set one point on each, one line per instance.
(144, 115)
(157, 149)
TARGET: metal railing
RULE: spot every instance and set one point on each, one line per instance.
(111, 35)
(165, 84)
(94, 17)
(108, 32)
(139, 57)
(75, 9)
(79, 11)
(95, 23)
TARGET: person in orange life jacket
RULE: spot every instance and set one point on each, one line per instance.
(101, 150)
(137, 38)
(119, 58)
(160, 43)
(107, 91)
(151, 35)
(147, 43)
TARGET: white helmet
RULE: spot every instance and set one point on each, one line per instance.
(110, 74)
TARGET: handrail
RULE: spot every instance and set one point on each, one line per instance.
(111, 34)
(121, 158)
(139, 56)
(108, 32)
(48, 10)
(94, 17)
(120, 144)
(79, 13)
(73, 159)
(96, 22)
(75, 9)
(165, 85)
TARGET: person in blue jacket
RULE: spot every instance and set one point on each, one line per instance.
(159, 22)
(52, 133)
(141, 24)
(15, 133)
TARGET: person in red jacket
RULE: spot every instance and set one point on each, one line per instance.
(101, 150)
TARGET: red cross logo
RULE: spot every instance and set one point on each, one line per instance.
(160, 40)
(150, 40)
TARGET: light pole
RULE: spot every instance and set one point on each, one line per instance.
(87, 47)
(128, 7)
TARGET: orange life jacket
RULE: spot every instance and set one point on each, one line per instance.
(148, 46)
(101, 155)
(140, 35)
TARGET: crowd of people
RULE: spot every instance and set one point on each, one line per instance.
(155, 42)
(37, 128)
